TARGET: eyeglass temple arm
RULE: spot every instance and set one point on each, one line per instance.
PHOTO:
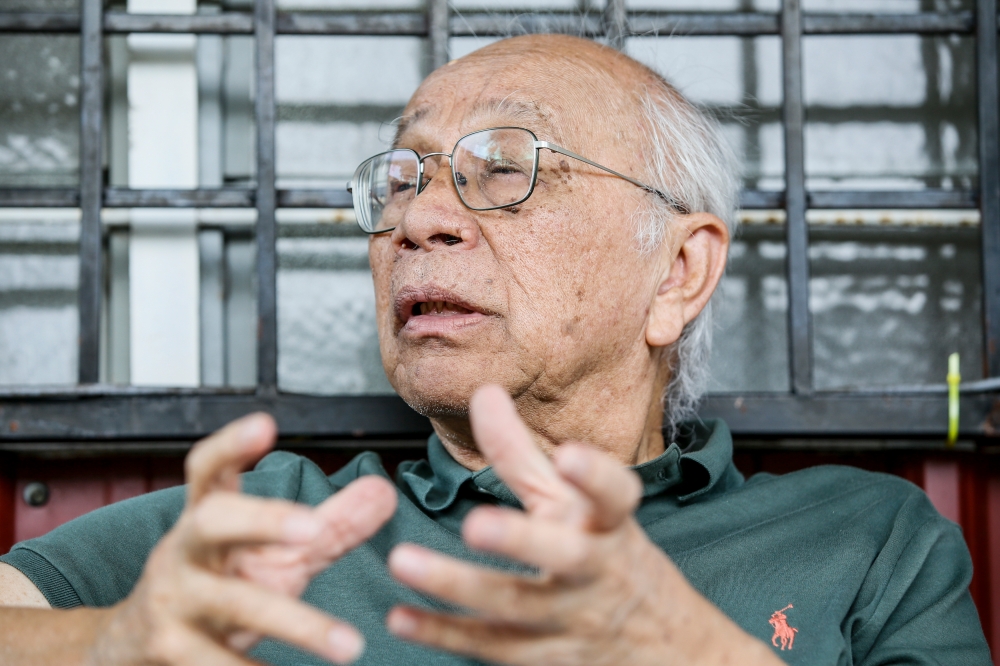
(674, 203)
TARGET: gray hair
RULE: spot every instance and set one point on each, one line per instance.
(690, 159)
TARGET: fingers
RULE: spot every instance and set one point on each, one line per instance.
(230, 518)
(352, 516)
(553, 547)
(613, 490)
(508, 445)
(215, 462)
(500, 596)
(230, 604)
(179, 644)
(479, 639)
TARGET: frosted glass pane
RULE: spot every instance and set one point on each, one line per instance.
(331, 117)
(327, 337)
(39, 113)
(39, 274)
(888, 308)
(888, 112)
(750, 342)
(885, 6)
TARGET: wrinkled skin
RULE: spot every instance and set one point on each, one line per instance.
(576, 318)
(555, 329)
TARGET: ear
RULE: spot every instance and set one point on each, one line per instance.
(694, 259)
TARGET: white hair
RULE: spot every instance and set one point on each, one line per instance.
(690, 159)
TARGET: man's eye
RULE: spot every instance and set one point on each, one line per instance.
(501, 167)
(401, 186)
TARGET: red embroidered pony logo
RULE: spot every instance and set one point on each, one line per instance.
(782, 631)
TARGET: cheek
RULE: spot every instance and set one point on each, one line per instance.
(574, 278)
(380, 257)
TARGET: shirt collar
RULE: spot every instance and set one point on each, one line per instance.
(691, 466)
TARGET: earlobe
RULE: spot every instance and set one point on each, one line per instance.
(693, 265)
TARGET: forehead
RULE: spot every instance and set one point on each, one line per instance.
(483, 112)
(549, 96)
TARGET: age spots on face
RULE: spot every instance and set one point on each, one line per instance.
(566, 174)
(569, 327)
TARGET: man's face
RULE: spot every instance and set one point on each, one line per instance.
(541, 298)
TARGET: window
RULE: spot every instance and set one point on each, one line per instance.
(870, 249)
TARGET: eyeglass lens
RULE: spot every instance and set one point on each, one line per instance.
(492, 169)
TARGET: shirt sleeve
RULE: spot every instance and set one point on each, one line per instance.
(96, 559)
(921, 612)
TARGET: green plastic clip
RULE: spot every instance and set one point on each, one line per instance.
(954, 379)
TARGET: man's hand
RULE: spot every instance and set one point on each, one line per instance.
(231, 569)
(605, 593)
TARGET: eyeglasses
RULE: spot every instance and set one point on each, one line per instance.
(491, 168)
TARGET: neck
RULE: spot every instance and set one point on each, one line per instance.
(632, 433)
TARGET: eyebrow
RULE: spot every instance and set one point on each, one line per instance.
(529, 114)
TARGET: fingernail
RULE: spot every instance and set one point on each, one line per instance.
(301, 527)
(409, 564)
(402, 623)
(346, 644)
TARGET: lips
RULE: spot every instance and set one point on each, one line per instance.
(430, 309)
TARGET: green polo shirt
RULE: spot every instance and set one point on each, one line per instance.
(831, 565)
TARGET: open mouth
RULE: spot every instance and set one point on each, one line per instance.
(431, 310)
(442, 308)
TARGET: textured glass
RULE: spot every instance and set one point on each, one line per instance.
(750, 334)
(337, 98)
(39, 110)
(39, 273)
(889, 112)
(890, 305)
(510, 6)
(327, 337)
(333, 5)
(705, 5)
(40, 5)
(887, 6)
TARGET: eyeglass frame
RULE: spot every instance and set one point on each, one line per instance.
(536, 146)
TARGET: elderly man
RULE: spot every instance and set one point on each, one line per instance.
(551, 222)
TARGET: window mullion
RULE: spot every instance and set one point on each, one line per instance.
(91, 182)
(797, 233)
(266, 231)
(988, 102)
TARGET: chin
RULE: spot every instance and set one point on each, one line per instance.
(440, 387)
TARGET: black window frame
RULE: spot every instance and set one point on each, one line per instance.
(92, 412)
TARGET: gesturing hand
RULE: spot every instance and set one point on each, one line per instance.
(231, 569)
(605, 593)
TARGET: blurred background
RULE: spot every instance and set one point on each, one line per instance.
(891, 292)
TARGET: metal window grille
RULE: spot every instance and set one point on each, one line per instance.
(90, 411)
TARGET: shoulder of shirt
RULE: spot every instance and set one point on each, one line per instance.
(885, 494)
(292, 476)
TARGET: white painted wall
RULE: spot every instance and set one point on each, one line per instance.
(163, 247)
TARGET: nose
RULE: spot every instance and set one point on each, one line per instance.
(436, 219)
